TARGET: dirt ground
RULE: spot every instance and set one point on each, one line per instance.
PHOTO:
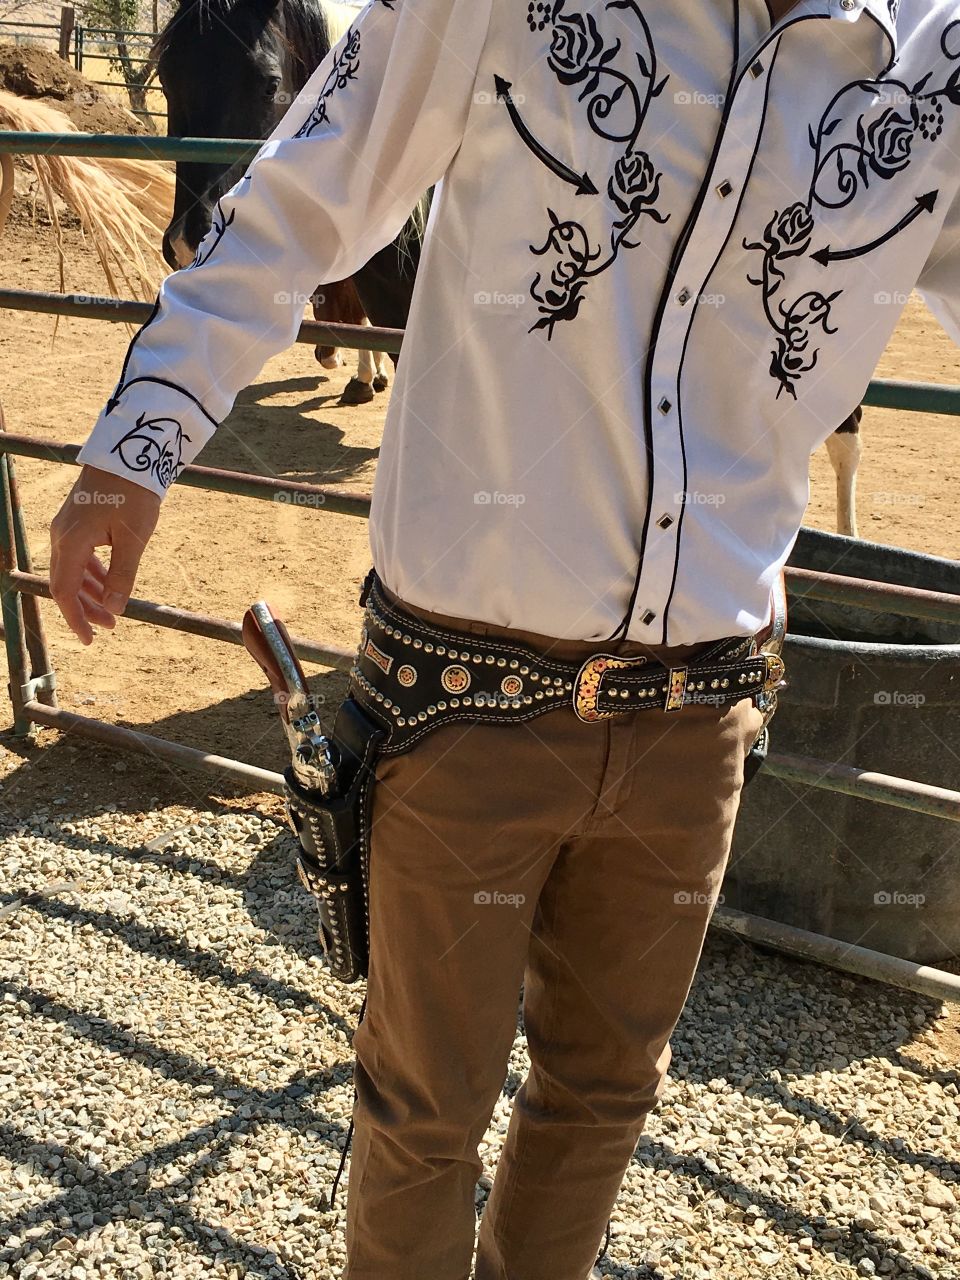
(216, 553)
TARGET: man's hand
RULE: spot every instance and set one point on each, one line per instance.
(101, 510)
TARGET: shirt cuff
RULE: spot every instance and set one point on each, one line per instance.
(148, 434)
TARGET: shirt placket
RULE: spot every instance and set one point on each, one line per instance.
(721, 196)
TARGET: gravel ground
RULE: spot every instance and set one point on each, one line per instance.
(175, 1083)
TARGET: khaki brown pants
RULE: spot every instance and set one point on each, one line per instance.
(583, 861)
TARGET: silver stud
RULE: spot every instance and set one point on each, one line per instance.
(441, 706)
(418, 644)
(428, 648)
(441, 650)
(524, 671)
(467, 701)
(514, 664)
(501, 662)
(408, 639)
(724, 683)
(421, 715)
(714, 684)
(454, 703)
(490, 659)
(431, 710)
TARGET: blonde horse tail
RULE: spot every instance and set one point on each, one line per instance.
(414, 227)
(6, 186)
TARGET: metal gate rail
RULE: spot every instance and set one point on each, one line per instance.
(32, 682)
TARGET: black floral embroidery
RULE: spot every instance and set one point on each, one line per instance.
(580, 55)
(345, 67)
(153, 445)
(218, 226)
(883, 148)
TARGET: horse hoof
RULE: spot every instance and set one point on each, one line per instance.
(357, 392)
(381, 382)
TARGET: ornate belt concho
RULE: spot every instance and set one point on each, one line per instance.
(455, 678)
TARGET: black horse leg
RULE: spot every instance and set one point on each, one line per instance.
(385, 285)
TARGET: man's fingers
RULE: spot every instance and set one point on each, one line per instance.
(69, 558)
(122, 574)
(95, 612)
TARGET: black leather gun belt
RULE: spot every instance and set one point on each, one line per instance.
(412, 676)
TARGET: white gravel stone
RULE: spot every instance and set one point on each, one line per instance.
(179, 1086)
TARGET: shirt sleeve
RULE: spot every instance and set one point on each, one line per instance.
(939, 281)
(377, 123)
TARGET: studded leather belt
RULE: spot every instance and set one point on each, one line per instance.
(412, 676)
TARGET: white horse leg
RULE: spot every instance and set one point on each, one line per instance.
(366, 369)
(845, 450)
(382, 377)
(359, 390)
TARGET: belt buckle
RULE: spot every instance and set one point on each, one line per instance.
(586, 687)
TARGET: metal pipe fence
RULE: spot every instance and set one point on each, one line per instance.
(32, 682)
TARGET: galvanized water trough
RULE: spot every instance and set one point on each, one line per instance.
(878, 691)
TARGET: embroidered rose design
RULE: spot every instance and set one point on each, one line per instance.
(617, 78)
(166, 467)
(889, 140)
(634, 183)
(153, 444)
(575, 43)
(788, 233)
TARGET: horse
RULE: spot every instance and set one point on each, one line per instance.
(229, 68)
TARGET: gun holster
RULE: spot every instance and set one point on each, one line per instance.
(334, 835)
(771, 640)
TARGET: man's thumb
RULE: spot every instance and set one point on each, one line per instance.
(122, 574)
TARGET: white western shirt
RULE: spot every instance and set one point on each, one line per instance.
(668, 246)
